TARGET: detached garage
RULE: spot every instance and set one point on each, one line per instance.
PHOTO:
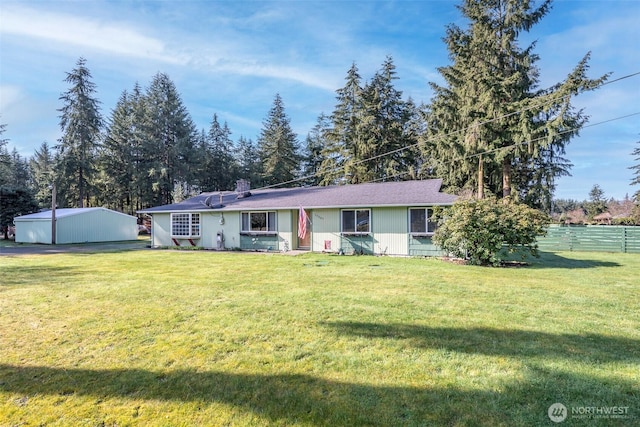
(76, 225)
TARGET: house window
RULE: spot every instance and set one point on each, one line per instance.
(357, 221)
(258, 222)
(420, 221)
(185, 225)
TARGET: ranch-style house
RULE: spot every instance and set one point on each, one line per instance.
(393, 218)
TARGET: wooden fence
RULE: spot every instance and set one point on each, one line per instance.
(601, 238)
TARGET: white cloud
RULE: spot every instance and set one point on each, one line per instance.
(10, 96)
(85, 32)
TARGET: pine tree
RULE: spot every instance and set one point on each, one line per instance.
(81, 124)
(278, 147)
(168, 146)
(490, 124)
(597, 203)
(384, 137)
(219, 167)
(249, 166)
(5, 158)
(117, 157)
(313, 155)
(42, 173)
(16, 196)
(340, 153)
(373, 133)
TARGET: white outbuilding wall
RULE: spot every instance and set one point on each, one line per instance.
(79, 225)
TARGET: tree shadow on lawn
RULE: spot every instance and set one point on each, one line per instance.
(28, 275)
(289, 398)
(590, 348)
(553, 260)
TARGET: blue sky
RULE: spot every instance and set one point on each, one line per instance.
(232, 57)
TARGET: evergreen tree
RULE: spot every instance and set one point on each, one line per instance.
(117, 159)
(636, 169)
(42, 174)
(490, 126)
(21, 172)
(373, 131)
(249, 166)
(14, 201)
(340, 153)
(384, 137)
(81, 124)
(16, 197)
(220, 170)
(313, 156)
(278, 147)
(168, 146)
(597, 203)
(5, 158)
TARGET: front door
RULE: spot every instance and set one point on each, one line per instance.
(304, 242)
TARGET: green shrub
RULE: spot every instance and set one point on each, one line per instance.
(478, 230)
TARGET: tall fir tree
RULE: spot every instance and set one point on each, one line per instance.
(248, 161)
(490, 125)
(117, 157)
(340, 153)
(373, 133)
(169, 141)
(219, 166)
(385, 144)
(313, 155)
(81, 125)
(42, 172)
(278, 147)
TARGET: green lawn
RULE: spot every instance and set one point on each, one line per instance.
(184, 338)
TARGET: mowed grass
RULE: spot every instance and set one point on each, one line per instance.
(170, 338)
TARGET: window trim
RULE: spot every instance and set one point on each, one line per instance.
(190, 224)
(272, 229)
(426, 233)
(355, 232)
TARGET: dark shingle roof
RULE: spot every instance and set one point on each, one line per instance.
(400, 193)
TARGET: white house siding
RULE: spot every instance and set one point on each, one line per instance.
(389, 232)
(389, 227)
(325, 230)
(285, 229)
(161, 230)
(230, 229)
(211, 224)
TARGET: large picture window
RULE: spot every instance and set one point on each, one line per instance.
(258, 222)
(185, 225)
(356, 221)
(421, 221)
